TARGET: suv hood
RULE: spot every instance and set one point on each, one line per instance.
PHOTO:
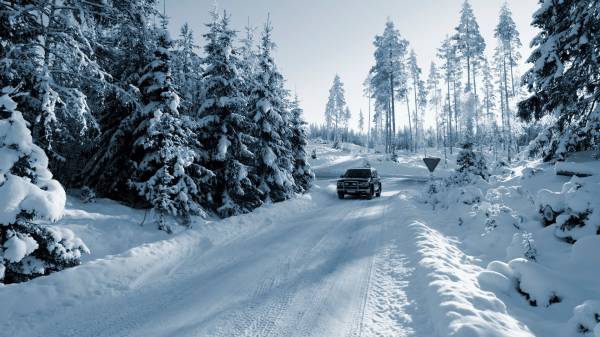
(353, 179)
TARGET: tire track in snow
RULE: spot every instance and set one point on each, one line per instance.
(394, 304)
(274, 291)
(332, 304)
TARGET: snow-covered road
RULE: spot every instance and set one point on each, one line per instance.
(340, 268)
(311, 266)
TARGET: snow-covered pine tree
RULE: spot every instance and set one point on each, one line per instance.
(489, 106)
(563, 80)
(361, 121)
(129, 45)
(53, 53)
(248, 57)
(336, 103)
(508, 35)
(469, 42)
(450, 66)
(226, 131)
(346, 120)
(167, 158)
(303, 174)
(422, 104)
(186, 69)
(415, 76)
(388, 78)
(434, 90)
(274, 159)
(28, 193)
(469, 162)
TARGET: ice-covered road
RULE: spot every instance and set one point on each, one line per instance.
(339, 268)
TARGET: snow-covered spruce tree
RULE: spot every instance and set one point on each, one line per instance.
(361, 121)
(268, 111)
(226, 131)
(186, 69)
(130, 44)
(563, 80)
(334, 111)
(54, 53)
(28, 193)
(248, 58)
(469, 162)
(303, 174)
(166, 155)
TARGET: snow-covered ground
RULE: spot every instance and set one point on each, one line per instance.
(318, 266)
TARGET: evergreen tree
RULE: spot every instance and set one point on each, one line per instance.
(489, 104)
(563, 79)
(53, 59)
(434, 88)
(508, 36)
(451, 67)
(303, 174)
(249, 57)
(130, 46)
(335, 110)
(469, 42)
(388, 78)
(422, 104)
(186, 65)
(274, 159)
(347, 117)
(415, 74)
(226, 131)
(166, 155)
(27, 193)
(361, 121)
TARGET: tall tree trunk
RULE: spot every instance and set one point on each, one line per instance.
(369, 119)
(456, 93)
(449, 116)
(476, 107)
(409, 124)
(416, 115)
(512, 76)
(509, 147)
(393, 117)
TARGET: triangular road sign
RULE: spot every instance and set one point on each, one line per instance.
(431, 163)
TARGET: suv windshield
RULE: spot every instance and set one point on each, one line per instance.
(358, 174)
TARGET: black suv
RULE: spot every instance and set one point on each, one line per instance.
(359, 181)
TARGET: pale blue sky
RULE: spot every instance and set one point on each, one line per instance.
(318, 38)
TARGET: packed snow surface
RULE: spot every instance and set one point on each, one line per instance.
(311, 266)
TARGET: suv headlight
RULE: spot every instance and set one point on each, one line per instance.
(340, 184)
(364, 184)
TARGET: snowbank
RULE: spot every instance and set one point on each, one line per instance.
(458, 306)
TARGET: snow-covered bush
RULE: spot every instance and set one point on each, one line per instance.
(585, 320)
(87, 195)
(536, 283)
(461, 186)
(28, 192)
(471, 162)
(574, 211)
